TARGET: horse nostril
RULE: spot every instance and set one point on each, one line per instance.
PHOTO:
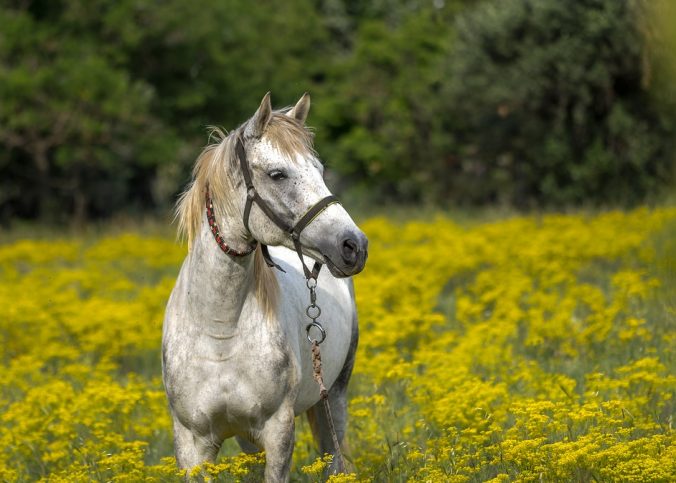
(350, 251)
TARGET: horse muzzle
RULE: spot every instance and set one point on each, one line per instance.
(348, 256)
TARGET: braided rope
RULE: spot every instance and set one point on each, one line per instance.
(324, 395)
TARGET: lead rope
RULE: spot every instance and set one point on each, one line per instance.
(313, 312)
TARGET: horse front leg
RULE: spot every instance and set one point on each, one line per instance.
(191, 449)
(277, 439)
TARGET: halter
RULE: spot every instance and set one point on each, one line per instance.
(252, 197)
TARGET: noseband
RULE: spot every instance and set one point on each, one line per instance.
(252, 197)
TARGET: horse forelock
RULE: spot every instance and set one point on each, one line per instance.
(216, 166)
(289, 136)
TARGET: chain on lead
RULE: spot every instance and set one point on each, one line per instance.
(313, 312)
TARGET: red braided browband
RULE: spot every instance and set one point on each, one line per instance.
(217, 233)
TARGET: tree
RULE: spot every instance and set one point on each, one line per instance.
(70, 114)
(105, 104)
(551, 104)
(379, 114)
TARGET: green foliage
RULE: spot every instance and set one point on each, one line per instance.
(552, 104)
(382, 122)
(103, 105)
(70, 117)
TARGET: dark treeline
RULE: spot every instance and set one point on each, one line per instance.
(103, 105)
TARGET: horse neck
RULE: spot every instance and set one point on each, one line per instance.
(217, 284)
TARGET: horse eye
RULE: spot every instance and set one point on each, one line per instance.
(277, 175)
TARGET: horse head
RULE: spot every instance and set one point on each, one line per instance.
(285, 189)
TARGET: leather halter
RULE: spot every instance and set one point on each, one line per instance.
(253, 197)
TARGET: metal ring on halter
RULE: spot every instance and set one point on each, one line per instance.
(313, 306)
(319, 327)
(311, 283)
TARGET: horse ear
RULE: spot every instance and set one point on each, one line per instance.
(260, 119)
(301, 109)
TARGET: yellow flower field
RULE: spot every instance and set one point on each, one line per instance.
(529, 349)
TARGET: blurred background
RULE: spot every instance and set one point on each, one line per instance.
(518, 103)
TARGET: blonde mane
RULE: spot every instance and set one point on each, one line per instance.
(216, 165)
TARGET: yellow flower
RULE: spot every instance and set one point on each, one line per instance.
(527, 349)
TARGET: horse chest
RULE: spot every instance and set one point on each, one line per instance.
(237, 391)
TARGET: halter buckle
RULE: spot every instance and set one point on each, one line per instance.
(251, 193)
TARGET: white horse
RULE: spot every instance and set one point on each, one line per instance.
(235, 353)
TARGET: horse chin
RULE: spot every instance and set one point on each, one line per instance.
(335, 271)
(338, 272)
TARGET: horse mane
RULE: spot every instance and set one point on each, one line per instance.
(215, 166)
